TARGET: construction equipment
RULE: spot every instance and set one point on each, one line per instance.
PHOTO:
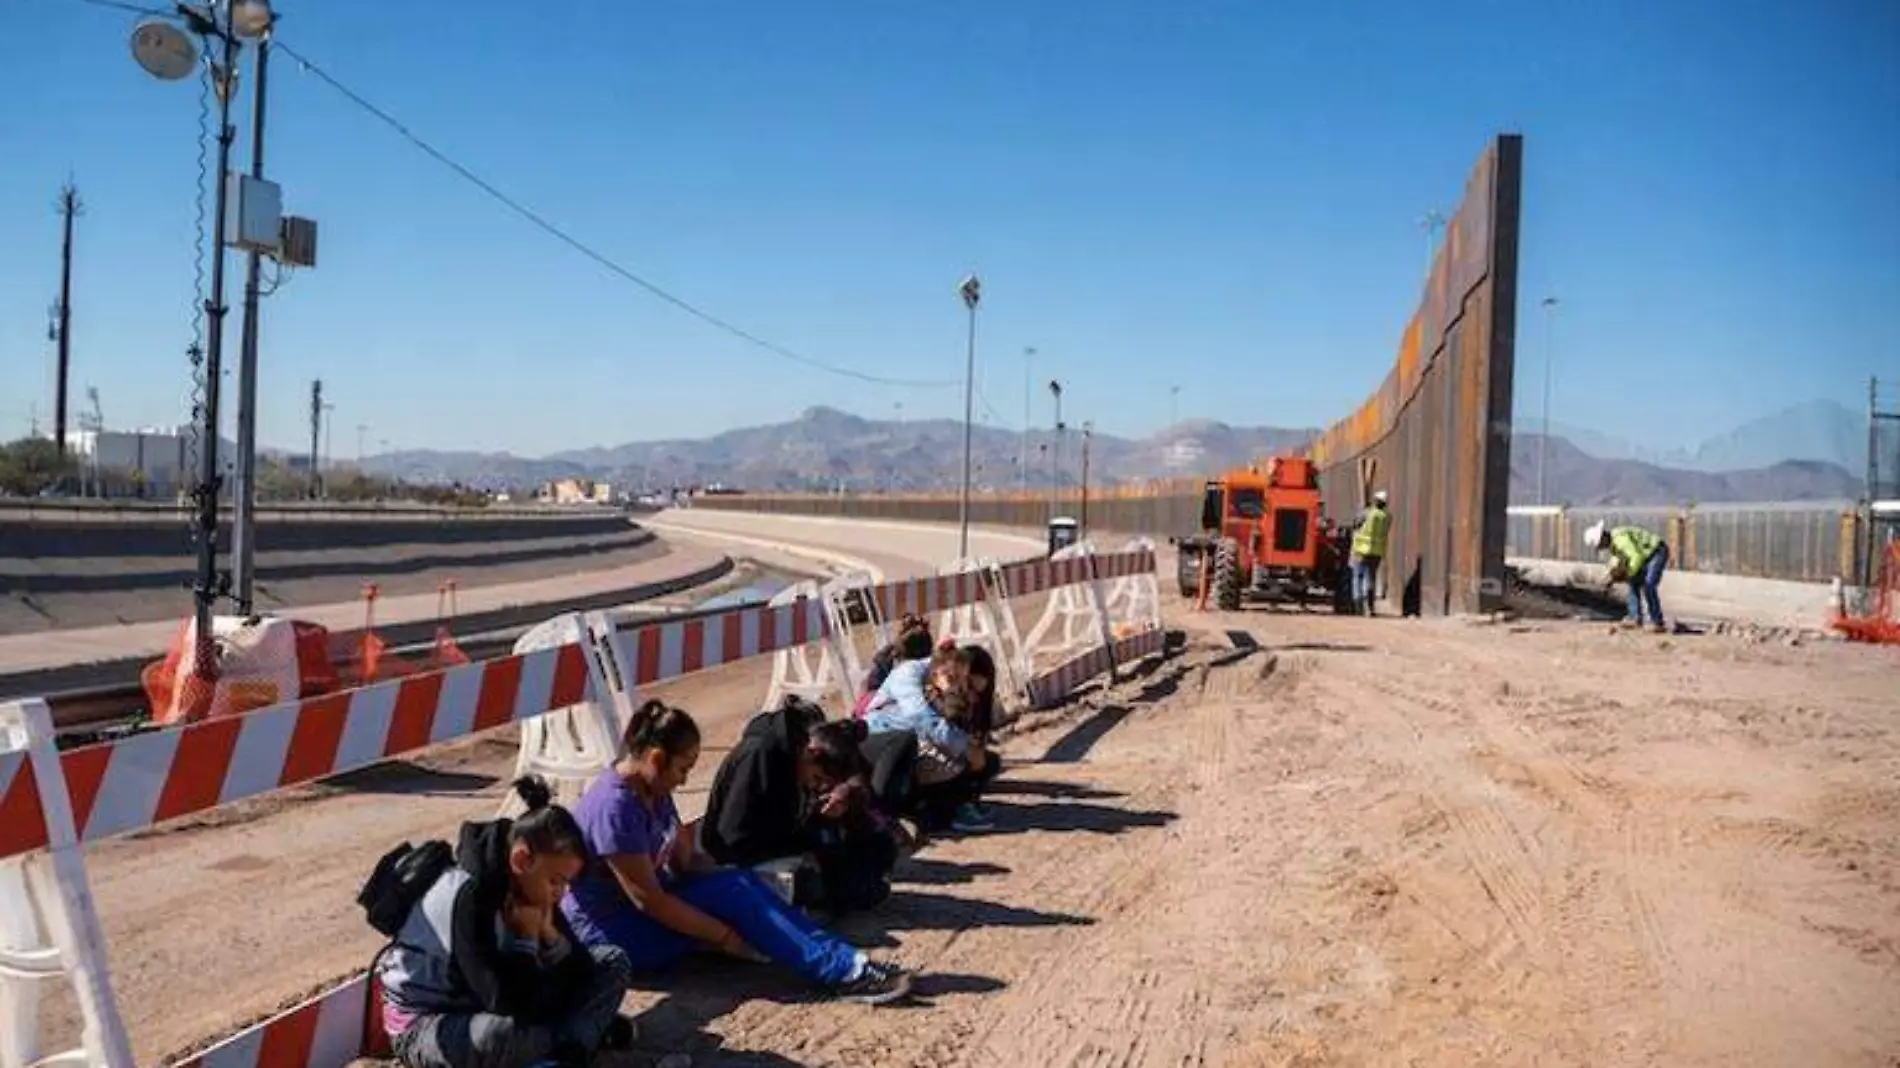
(1265, 537)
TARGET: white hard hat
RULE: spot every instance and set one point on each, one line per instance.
(1593, 535)
(1379, 496)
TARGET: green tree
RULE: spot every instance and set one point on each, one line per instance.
(30, 465)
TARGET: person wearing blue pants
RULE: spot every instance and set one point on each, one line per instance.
(648, 889)
(1640, 558)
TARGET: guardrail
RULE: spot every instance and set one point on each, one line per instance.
(52, 803)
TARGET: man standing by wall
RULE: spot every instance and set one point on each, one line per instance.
(1369, 534)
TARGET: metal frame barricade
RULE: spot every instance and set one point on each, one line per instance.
(52, 802)
(988, 622)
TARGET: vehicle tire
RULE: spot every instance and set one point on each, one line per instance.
(1186, 573)
(1227, 578)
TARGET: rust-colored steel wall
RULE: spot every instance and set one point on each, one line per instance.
(1436, 435)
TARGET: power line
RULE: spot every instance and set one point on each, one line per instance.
(577, 244)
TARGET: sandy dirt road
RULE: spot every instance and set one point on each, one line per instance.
(1345, 842)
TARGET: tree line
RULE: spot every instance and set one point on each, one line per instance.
(32, 467)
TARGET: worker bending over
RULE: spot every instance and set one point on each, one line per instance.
(1637, 557)
(1369, 534)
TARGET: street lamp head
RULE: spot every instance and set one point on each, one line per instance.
(971, 290)
(1550, 302)
(165, 51)
(252, 18)
(1055, 387)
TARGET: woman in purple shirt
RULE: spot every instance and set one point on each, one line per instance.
(649, 890)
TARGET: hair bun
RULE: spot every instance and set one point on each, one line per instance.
(533, 790)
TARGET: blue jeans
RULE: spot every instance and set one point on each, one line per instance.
(740, 899)
(1643, 586)
(1365, 581)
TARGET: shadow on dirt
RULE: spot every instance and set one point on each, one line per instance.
(704, 988)
(1007, 787)
(1322, 647)
(1074, 745)
(1068, 816)
(917, 910)
(928, 872)
(404, 778)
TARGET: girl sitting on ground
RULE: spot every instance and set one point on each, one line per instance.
(485, 972)
(797, 786)
(912, 643)
(652, 892)
(939, 701)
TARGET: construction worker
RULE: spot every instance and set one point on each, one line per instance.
(1369, 533)
(1637, 557)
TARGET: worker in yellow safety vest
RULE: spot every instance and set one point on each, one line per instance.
(1638, 557)
(1369, 534)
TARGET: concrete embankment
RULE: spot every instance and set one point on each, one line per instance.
(76, 567)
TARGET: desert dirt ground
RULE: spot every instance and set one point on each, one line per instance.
(1303, 841)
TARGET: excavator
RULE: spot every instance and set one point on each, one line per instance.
(1265, 536)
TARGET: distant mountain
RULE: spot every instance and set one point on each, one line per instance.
(825, 448)
(1577, 478)
(1821, 431)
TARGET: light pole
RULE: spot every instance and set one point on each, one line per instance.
(1543, 439)
(244, 523)
(1174, 407)
(1432, 223)
(971, 291)
(168, 54)
(1088, 431)
(1055, 453)
(1022, 458)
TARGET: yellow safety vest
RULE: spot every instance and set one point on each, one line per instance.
(1369, 539)
(1634, 546)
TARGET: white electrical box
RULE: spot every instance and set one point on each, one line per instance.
(253, 215)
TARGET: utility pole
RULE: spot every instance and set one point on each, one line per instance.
(329, 454)
(1543, 439)
(1088, 431)
(1433, 222)
(362, 429)
(316, 431)
(1174, 407)
(1055, 454)
(69, 207)
(1022, 459)
(244, 523)
(972, 292)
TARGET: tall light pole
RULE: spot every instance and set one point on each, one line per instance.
(1022, 459)
(1088, 431)
(1433, 222)
(244, 521)
(1543, 439)
(1174, 407)
(971, 291)
(1055, 453)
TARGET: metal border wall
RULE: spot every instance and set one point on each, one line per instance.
(1437, 434)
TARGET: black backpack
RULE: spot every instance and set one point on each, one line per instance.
(402, 876)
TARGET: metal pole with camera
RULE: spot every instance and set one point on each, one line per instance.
(244, 497)
(972, 292)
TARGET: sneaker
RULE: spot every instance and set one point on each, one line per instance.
(1658, 628)
(972, 817)
(877, 984)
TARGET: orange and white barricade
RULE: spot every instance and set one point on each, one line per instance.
(988, 622)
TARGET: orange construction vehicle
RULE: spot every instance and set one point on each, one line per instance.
(1265, 536)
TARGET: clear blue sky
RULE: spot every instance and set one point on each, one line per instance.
(1223, 196)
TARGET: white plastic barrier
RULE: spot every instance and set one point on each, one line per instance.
(1071, 620)
(812, 672)
(569, 746)
(1134, 601)
(989, 623)
(48, 928)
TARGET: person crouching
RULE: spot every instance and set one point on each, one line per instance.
(485, 971)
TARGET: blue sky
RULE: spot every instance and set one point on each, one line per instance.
(1223, 196)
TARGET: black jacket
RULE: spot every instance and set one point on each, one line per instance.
(757, 811)
(505, 983)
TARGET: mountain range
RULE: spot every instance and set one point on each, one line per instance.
(1804, 453)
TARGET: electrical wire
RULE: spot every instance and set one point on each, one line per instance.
(575, 243)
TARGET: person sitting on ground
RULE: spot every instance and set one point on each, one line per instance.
(932, 699)
(651, 891)
(796, 785)
(912, 643)
(485, 972)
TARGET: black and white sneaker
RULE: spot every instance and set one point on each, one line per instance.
(877, 984)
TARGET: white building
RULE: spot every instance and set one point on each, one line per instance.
(162, 456)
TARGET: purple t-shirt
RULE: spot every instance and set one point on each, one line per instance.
(614, 819)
